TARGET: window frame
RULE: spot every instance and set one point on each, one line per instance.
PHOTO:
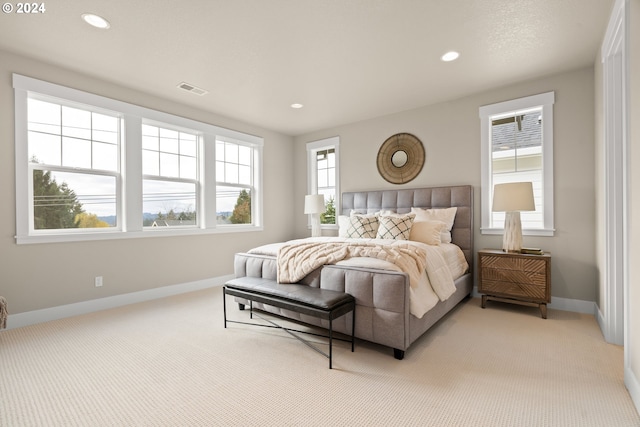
(545, 101)
(130, 174)
(255, 172)
(165, 178)
(69, 169)
(312, 173)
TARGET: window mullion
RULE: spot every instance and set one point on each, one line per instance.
(131, 175)
(208, 180)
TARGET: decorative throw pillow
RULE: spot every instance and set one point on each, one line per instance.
(429, 232)
(343, 225)
(446, 215)
(362, 226)
(397, 227)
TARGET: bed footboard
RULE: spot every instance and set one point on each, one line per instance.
(382, 302)
(382, 298)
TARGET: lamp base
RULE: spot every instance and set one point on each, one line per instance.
(512, 239)
(316, 231)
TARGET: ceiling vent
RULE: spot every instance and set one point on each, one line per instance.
(191, 88)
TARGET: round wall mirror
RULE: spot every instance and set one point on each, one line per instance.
(400, 158)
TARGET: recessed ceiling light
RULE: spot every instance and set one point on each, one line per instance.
(297, 106)
(96, 21)
(450, 56)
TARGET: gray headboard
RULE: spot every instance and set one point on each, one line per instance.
(401, 201)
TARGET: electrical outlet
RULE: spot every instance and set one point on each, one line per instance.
(98, 281)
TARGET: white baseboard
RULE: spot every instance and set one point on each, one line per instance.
(68, 310)
(575, 305)
(633, 386)
(38, 316)
(564, 304)
(600, 319)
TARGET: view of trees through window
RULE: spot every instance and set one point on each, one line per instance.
(56, 205)
(329, 215)
(326, 182)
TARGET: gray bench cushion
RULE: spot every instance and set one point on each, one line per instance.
(315, 297)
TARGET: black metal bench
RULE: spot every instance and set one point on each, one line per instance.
(322, 303)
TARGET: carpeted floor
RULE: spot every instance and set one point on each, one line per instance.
(170, 362)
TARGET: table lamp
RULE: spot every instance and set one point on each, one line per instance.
(513, 198)
(314, 205)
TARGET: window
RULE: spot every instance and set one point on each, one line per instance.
(517, 145)
(170, 177)
(234, 181)
(73, 166)
(323, 175)
(89, 167)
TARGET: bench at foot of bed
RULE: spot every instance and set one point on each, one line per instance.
(321, 303)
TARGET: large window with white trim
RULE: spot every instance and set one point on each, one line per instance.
(517, 146)
(323, 170)
(90, 167)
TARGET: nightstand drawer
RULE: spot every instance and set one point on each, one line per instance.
(514, 290)
(534, 278)
(512, 263)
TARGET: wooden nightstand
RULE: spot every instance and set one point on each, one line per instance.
(515, 278)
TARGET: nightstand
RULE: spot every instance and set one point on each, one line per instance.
(515, 278)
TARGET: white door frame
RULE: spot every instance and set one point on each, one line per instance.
(615, 66)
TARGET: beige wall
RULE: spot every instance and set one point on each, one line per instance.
(450, 133)
(40, 276)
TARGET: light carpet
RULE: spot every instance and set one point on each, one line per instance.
(170, 362)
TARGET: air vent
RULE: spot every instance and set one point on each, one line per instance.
(191, 88)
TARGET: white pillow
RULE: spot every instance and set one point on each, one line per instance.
(343, 225)
(362, 226)
(429, 232)
(396, 227)
(446, 215)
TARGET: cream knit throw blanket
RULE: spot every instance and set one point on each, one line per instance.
(3, 313)
(298, 258)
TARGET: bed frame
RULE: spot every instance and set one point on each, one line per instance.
(382, 296)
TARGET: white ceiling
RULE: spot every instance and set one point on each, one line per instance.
(345, 60)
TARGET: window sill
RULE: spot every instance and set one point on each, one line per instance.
(547, 232)
(116, 235)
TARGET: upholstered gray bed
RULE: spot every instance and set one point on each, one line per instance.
(382, 296)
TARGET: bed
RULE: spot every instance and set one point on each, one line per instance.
(385, 312)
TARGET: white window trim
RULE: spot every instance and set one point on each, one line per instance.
(256, 189)
(546, 101)
(131, 167)
(312, 178)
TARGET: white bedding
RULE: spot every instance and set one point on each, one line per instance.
(431, 278)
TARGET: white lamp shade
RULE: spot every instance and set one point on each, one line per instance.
(513, 197)
(314, 203)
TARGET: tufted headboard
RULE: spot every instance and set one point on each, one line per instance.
(401, 201)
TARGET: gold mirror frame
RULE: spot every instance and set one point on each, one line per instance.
(414, 150)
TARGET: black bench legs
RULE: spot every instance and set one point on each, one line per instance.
(320, 303)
